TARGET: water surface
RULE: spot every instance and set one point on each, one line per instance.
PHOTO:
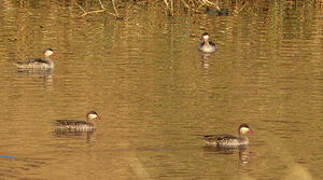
(157, 94)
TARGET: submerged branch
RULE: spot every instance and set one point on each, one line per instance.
(188, 7)
(114, 7)
(101, 4)
(170, 8)
(103, 9)
(237, 11)
(80, 7)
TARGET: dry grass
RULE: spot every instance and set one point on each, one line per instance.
(173, 7)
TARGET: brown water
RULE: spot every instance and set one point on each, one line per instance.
(156, 93)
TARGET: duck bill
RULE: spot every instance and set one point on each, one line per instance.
(250, 131)
(98, 118)
(54, 54)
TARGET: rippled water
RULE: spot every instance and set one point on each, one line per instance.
(157, 94)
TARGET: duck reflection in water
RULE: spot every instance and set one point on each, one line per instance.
(43, 78)
(61, 133)
(243, 152)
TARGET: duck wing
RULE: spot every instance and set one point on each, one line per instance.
(219, 137)
(227, 141)
(67, 122)
(37, 60)
(29, 62)
(212, 43)
(34, 60)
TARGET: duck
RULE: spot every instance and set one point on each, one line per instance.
(38, 63)
(79, 125)
(229, 141)
(206, 46)
(218, 12)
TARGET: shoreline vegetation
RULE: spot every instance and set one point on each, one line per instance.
(178, 7)
(195, 6)
(191, 5)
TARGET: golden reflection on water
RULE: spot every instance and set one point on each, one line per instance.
(156, 92)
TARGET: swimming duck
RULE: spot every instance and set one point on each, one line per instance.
(218, 12)
(229, 141)
(206, 46)
(38, 63)
(79, 125)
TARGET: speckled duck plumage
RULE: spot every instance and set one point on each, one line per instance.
(38, 63)
(206, 46)
(79, 125)
(229, 141)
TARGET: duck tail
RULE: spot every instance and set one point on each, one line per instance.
(17, 64)
(20, 65)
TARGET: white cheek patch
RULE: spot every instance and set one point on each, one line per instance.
(244, 130)
(206, 37)
(92, 116)
(48, 53)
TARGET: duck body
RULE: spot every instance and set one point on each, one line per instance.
(229, 141)
(206, 46)
(218, 12)
(79, 125)
(37, 63)
(75, 125)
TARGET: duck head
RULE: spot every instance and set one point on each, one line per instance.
(245, 129)
(205, 37)
(92, 115)
(48, 52)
